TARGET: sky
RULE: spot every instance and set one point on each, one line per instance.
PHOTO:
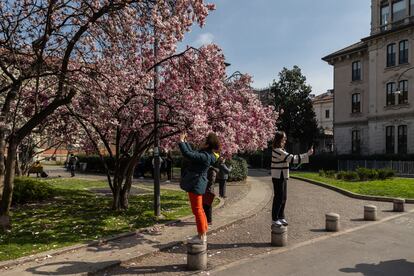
(260, 37)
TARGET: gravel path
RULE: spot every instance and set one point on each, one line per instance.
(306, 208)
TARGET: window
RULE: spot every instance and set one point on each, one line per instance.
(356, 103)
(385, 14)
(356, 141)
(390, 93)
(402, 139)
(411, 7)
(356, 71)
(389, 140)
(403, 57)
(403, 96)
(327, 114)
(398, 10)
(391, 54)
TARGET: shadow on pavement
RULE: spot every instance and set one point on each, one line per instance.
(128, 242)
(395, 267)
(318, 230)
(181, 224)
(259, 173)
(142, 270)
(215, 246)
(68, 268)
(358, 219)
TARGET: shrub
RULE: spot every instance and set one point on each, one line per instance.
(259, 159)
(330, 173)
(340, 175)
(365, 174)
(350, 176)
(385, 173)
(29, 190)
(322, 173)
(94, 163)
(372, 174)
(321, 162)
(239, 169)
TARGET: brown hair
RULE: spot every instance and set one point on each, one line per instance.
(213, 142)
(277, 141)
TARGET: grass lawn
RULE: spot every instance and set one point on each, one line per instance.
(77, 215)
(396, 187)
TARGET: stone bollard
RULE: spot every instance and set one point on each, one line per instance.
(332, 222)
(399, 205)
(370, 212)
(279, 236)
(197, 256)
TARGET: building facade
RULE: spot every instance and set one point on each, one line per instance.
(374, 85)
(323, 108)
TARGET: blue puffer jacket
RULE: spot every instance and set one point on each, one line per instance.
(194, 177)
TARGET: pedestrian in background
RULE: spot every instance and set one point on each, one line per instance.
(169, 165)
(223, 176)
(73, 161)
(209, 195)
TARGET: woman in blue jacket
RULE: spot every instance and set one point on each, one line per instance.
(194, 179)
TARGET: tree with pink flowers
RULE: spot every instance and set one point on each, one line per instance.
(194, 96)
(50, 50)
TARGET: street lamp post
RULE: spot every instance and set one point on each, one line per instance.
(156, 152)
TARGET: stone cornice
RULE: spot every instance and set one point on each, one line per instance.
(404, 116)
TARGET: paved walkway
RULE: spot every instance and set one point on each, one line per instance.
(241, 204)
(306, 208)
(382, 249)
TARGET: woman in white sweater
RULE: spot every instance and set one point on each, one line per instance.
(280, 174)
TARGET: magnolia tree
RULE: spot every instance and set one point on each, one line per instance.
(59, 45)
(194, 96)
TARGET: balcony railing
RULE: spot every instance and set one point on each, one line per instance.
(394, 25)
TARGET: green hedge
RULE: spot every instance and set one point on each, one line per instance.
(94, 163)
(31, 190)
(239, 169)
(361, 174)
(259, 159)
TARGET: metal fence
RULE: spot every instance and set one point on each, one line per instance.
(401, 168)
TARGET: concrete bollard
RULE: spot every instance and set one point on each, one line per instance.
(279, 236)
(370, 212)
(197, 256)
(332, 222)
(399, 205)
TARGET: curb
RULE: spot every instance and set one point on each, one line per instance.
(348, 193)
(48, 254)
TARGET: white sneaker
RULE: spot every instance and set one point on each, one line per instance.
(198, 240)
(284, 222)
(277, 223)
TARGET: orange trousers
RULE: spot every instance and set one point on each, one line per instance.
(198, 211)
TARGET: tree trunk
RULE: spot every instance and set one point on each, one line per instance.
(7, 195)
(2, 151)
(116, 203)
(129, 174)
(126, 190)
(17, 166)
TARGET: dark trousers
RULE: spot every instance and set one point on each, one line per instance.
(169, 171)
(208, 209)
(222, 187)
(72, 170)
(279, 198)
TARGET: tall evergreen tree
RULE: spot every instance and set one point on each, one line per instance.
(292, 95)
